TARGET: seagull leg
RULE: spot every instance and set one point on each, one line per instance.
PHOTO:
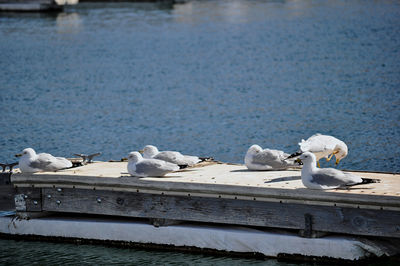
(330, 156)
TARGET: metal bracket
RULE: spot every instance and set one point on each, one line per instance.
(308, 221)
(87, 158)
(9, 165)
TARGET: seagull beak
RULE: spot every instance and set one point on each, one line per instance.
(299, 161)
(337, 161)
(18, 155)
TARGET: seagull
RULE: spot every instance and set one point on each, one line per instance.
(30, 162)
(327, 178)
(323, 146)
(138, 166)
(266, 159)
(175, 157)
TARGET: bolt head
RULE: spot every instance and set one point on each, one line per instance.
(58, 202)
(35, 202)
(59, 189)
(98, 200)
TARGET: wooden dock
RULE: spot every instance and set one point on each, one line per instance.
(215, 194)
(34, 5)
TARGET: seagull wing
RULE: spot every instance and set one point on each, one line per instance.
(334, 178)
(153, 167)
(171, 156)
(273, 158)
(42, 161)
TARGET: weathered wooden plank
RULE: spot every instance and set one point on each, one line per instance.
(225, 211)
(226, 180)
(301, 194)
(28, 199)
(7, 192)
(5, 178)
(7, 198)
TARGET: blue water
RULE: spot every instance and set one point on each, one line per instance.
(207, 78)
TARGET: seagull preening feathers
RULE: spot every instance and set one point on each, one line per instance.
(323, 146)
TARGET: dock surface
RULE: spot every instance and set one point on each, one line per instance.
(223, 180)
(216, 193)
(238, 202)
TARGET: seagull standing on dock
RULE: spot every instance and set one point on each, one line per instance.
(30, 162)
(266, 159)
(138, 166)
(327, 178)
(175, 157)
(323, 146)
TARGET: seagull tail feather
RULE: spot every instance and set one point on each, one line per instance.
(206, 159)
(298, 153)
(369, 180)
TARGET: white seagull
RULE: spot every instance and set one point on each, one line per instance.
(30, 162)
(266, 159)
(138, 166)
(151, 152)
(323, 146)
(327, 178)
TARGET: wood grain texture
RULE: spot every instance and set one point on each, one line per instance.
(32, 198)
(226, 211)
(223, 179)
(7, 192)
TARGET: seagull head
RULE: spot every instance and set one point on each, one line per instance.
(254, 149)
(307, 158)
(341, 152)
(26, 153)
(134, 157)
(149, 151)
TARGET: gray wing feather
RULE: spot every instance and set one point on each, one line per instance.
(333, 177)
(274, 158)
(154, 168)
(170, 156)
(48, 162)
(40, 164)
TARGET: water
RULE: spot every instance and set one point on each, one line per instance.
(204, 77)
(42, 253)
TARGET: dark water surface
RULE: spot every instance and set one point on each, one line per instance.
(43, 253)
(204, 77)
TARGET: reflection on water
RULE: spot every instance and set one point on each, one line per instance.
(204, 77)
(68, 23)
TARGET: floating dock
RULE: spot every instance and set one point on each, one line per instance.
(34, 5)
(212, 206)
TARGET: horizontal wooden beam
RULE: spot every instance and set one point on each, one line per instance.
(221, 210)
